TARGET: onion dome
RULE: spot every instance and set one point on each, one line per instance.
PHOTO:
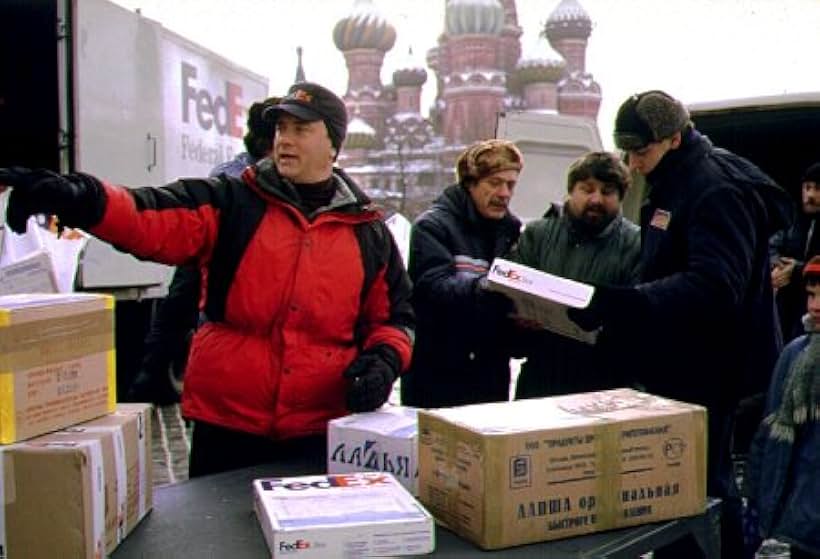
(409, 73)
(409, 77)
(539, 70)
(364, 28)
(471, 17)
(568, 21)
(360, 135)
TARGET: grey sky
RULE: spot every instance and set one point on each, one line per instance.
(698, 50)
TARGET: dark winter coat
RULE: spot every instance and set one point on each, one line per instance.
(460, 354)
(710, 336)
(800, 241)
(556, 364)
(783, 479)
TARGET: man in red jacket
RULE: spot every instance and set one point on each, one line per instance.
(307, 313)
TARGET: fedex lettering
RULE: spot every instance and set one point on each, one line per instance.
(295, 546)
(510, 274)
(327, 482)
(224, 112)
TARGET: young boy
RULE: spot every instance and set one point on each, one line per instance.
(783, 481)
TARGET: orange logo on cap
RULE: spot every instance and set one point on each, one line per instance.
(301, 95)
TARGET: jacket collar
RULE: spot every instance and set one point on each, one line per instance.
(456, 200)
(347, 196)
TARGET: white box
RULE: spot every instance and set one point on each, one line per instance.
(542, 297)
(384, 440)
(365, 514)
(34, 273)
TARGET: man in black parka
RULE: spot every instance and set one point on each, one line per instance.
(704, 308)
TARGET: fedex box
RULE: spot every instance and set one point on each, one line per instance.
(57, 364)
(365, 514)
(512, 473)
(68, 493)
(383, 440)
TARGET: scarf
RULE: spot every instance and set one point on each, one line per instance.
(801, 393)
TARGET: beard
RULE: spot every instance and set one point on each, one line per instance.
(591, 221)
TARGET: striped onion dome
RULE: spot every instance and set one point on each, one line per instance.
(364, 28)
(471, 17)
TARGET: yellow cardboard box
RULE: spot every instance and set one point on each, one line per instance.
(512, 473)
(77, 492)
(57, 363)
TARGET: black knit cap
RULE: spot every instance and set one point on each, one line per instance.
(648, 117)
(812, 174)
(310, 102)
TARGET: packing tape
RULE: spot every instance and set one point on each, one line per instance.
(8, 423)
(120, 470)
(40, 342)
(608, 481)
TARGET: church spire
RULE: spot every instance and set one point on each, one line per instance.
(300, 71)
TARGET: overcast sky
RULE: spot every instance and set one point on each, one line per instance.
(697, 50)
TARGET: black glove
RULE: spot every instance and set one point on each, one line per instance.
(77, 200)
(492, 303)
(615, 306)
(371, 378)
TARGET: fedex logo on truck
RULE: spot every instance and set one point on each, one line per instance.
(225, 112)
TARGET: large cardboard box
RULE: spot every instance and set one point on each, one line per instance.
(383, 440)
(365, 514)
(542, 297)
(77, 492)
(512, 473)
(57, 364)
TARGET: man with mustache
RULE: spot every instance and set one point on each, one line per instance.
(460, 356)
(790, 249)
(585, 239)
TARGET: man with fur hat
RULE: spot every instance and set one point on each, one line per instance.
(460, 356)
(306, 305)
(704, 307)
(790, 249)
(782, 479)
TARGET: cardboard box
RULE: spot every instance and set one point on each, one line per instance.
(512, 473)
(57, 364)
(365, 514)
(78, 492)
(542, 297)
(384, 440)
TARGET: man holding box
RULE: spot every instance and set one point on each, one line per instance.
(460, 355)
(586, 239)
(704, 308)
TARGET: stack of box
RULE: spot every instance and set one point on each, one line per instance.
(75, 492)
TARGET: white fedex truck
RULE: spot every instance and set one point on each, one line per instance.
(86, 85)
